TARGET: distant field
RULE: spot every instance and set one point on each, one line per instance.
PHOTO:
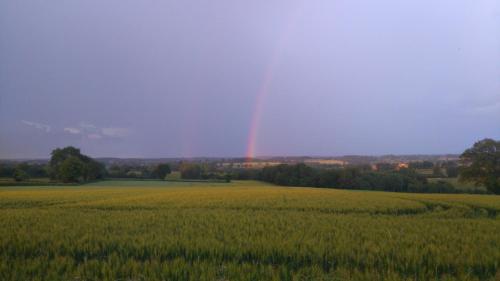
(153, 230)
(425, 172)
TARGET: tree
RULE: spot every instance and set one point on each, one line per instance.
(385, 167)
(481, 164)
(20, 175)
(190, 171)
(437, 172)
(71, 169)
(93, 170)
(86, 167)
(58, 156)
(7, 170)
(421, 165)
(451, 168)
(162, 170)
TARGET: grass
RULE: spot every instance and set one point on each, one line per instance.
(154, 183)
(107, 182)
(174, 175)
(5, 181)
(10, 179)
(150, 230)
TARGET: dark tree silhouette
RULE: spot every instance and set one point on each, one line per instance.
(481, 164)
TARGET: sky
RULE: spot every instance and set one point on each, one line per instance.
(226, 78)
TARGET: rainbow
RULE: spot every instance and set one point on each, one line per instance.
(257, 112)
(263, 91)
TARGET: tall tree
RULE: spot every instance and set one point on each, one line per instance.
(190, 171)
(58, 156)
(481, 164)
(162, 170)
(84, 169)
(71, 169)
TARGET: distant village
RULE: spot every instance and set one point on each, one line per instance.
(427, 165)
(424, 164)
(375, 162)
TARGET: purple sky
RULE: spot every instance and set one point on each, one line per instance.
(183, 78)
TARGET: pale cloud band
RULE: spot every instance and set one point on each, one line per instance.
(94, 133)
(73, 131)
(88, 126)
(115, 132)
(38, 126)
(94, 136)
(486, 109)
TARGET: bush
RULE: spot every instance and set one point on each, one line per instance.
(20, 175)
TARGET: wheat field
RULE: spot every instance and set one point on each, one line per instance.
(136, 230)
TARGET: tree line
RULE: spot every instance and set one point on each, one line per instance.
(159, 171)
(69, 165)
(186, 170)
(479, 164)
(404, 180)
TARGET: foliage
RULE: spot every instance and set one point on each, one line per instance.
(129, 171)
(451, 169)
(69, 165)
(421, 165)
(58, 156)
(162, 170)
(204, 171)
(481, 164)
(176, 175)
(33, 170)
(93, 170)
(157, 230)
(7, 170)
(385, 167)
(20, 175)
(465, 187)
(405, 180)
(134, 171)
(437, 172)
(71, 169)
(190, 171)
(245, 174)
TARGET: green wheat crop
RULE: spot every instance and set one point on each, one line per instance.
(244, 231)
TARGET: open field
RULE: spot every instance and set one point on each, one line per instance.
(244, 231)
